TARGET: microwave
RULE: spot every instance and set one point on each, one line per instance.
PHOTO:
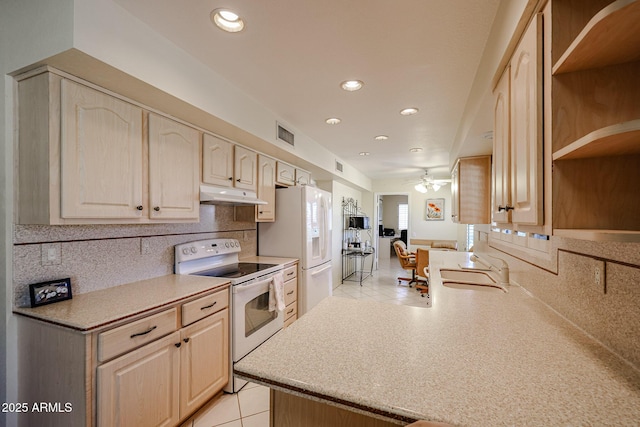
(359, 222)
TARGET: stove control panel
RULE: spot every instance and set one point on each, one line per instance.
(206, 248)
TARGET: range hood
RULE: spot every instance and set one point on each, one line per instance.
(212, 195)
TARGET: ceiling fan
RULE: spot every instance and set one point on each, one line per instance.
(427, 182)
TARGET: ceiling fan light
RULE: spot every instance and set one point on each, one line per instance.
(421, 188)
(436, 187)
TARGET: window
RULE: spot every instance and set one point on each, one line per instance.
(470, 235)
(403, 216)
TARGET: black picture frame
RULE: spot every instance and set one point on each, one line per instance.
(49, 292)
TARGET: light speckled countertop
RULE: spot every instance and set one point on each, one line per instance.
(475, 358)
(91, 310)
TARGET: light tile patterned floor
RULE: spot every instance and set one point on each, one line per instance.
(250, 407)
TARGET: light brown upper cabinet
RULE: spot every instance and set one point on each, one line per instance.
(518, 110)
(174, 164)
(266, 189)
(302, 177)
(81, 159)
(471, 190)
(225, 164)
(285, 174)
(596, 119)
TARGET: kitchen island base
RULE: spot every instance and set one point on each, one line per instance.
(289, 410)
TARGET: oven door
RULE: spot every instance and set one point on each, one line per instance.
(253, 323)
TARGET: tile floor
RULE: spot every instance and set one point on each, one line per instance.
(250, 406)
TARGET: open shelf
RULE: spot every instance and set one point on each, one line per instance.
(616, 140)
(600, 235)
(611, 37)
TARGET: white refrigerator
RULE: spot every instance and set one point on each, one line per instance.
(302, 230)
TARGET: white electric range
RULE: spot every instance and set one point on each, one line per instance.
(251, 321)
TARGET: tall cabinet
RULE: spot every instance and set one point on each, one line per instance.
(518, 113)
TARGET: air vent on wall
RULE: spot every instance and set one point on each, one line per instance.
(284, 134)
(338, 166)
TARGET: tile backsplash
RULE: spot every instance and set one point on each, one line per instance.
(102, 256)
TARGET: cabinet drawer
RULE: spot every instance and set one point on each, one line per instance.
(127, 337)
(290, 272)
(202, 307)
(290, 291)
(291, 311)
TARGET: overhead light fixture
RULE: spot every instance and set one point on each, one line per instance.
(351, 85)
(333, 121)
(227, 20)
(421, 188)
(415, 150)
(409, 111)
(381, 138)
(364, 153)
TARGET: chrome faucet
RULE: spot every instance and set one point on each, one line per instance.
(503, 270)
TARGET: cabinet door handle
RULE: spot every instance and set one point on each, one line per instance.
(290, 311)
(186, 340)
(178, 344)
(139, 207)
(238, 180)
(139, 334)
(157, 209)
(290, 293)
(230, 178)
(505, 208)
(208, 306)
(290, 273)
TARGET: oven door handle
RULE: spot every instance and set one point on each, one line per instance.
(245, 288)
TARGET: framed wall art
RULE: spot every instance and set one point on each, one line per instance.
(435, 210)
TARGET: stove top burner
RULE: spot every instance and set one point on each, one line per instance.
(236, 270)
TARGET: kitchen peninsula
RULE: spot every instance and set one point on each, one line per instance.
(475, 358)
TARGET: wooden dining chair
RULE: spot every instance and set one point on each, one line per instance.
(422, 271)
(407, 262)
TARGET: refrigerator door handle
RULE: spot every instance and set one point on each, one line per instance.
(315, 273)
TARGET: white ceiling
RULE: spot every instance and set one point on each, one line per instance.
(293, 54)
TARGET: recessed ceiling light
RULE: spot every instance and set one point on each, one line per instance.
(333, 121)
(227, 20)
(351, 85)
(416, 150)
(409, 111)
(381, 138)
(364, 153)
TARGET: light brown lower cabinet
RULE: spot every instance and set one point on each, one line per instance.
(162, 382)
(155, 369)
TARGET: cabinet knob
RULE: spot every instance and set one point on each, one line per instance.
(186, 340)
(238, 180)
(178, 344)
(230, 178)
(139, 207)
(157, 209)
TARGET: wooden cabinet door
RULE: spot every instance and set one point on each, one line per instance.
(204, 360)
(501, 150)
(174, 170)
(526, 127)
(142, 387)
(302, 177)
(101, 155)
(285, 174)
(245, 169)
(455, 193)
(217, 161)
(266, 189)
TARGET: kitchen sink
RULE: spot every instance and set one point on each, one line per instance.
(467, 279)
